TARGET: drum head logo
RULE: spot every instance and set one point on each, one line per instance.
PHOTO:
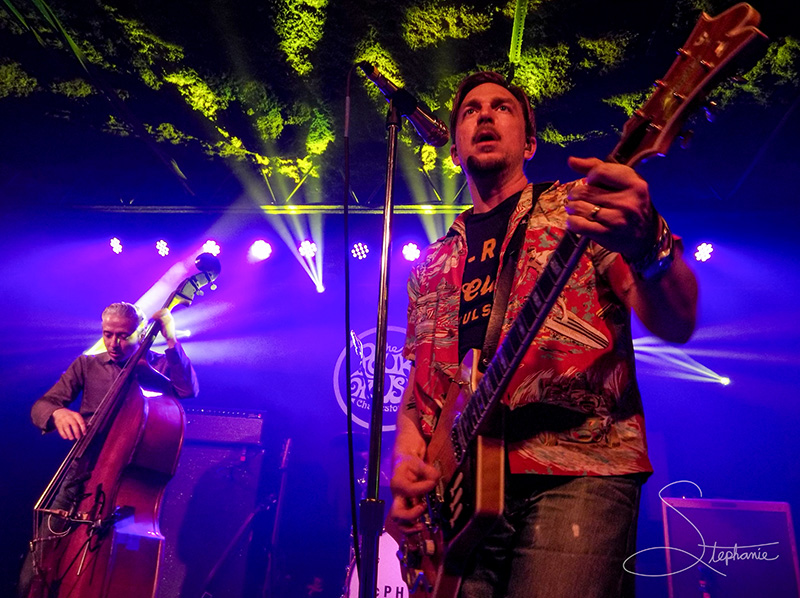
(362, 375)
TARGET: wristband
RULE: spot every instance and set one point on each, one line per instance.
(655, 263)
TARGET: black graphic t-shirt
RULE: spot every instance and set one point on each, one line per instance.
(485, 234)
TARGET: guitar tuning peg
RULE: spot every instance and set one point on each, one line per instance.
(200, 292)
(213, 287)
(685, 137)
(710, 110)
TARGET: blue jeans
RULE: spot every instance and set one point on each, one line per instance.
(559, 537)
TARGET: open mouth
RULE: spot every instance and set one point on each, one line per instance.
(486, 135)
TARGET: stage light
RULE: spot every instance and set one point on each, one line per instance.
(163, 248)
(308, 250)
(724, 380)
(703, 252)
(116, 245)
(211, 247)
(360, 251)
(411, 252)
(259, 251)
(320, 288)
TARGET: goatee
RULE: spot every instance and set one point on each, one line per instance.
(481, 166)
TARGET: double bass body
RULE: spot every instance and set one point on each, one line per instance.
(112, 544)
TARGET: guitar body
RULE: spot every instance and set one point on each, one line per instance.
(120, 556)
(466, 503)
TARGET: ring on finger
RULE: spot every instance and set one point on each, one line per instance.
(593, 213)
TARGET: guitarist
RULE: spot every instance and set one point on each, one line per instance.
(575, 439)
(91, 376)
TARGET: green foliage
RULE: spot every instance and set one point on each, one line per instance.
(300, 24)
(167, 132)
(628, 101)
(429, 23)
(36, 28)
(552, 135)
(149, 49)
(605, 52)
(197, 93)
(427, 156)
(509, 9)
(320, 134)
(295, 169)
(9, 22)
(116, 127)
(778, 69)
(15, 82)
(371, 50)
(75, 88)
(785, 59)
(244, 94)
(92, 54)
(270, 126)
(299, 114)
(258, 103)
(544, 72)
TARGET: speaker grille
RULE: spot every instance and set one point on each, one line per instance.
(215, 492)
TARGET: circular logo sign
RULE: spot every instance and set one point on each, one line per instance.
(363, 373)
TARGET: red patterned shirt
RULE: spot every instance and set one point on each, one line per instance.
(575, 405)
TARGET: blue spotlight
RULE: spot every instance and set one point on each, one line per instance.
(360, 251)
(116, 245)
(162, 248)
(259, 251)
(703, 252)
(411, 252)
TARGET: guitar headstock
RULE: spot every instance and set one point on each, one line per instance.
(702, 62)
(209, 268)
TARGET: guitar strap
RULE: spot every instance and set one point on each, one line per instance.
(502, 288)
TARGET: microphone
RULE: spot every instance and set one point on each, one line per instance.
(432, 130)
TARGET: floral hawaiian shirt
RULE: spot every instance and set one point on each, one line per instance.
(575, 407)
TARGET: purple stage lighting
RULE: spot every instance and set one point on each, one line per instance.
(259, 251)
(308, 249)
(116, 245)
(411, 251)
(163, 248)
(360, 251)
(703, 252)
(211, 247)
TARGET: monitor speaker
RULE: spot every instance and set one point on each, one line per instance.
(729, 549)
(211, 506)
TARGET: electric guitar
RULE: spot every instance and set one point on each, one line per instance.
(466, 446)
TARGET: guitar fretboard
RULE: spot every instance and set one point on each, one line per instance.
(527, 324)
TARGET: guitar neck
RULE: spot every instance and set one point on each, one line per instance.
(524, 329)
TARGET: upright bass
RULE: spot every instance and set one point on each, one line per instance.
(96, 531)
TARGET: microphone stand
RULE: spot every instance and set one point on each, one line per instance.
(371, 508)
